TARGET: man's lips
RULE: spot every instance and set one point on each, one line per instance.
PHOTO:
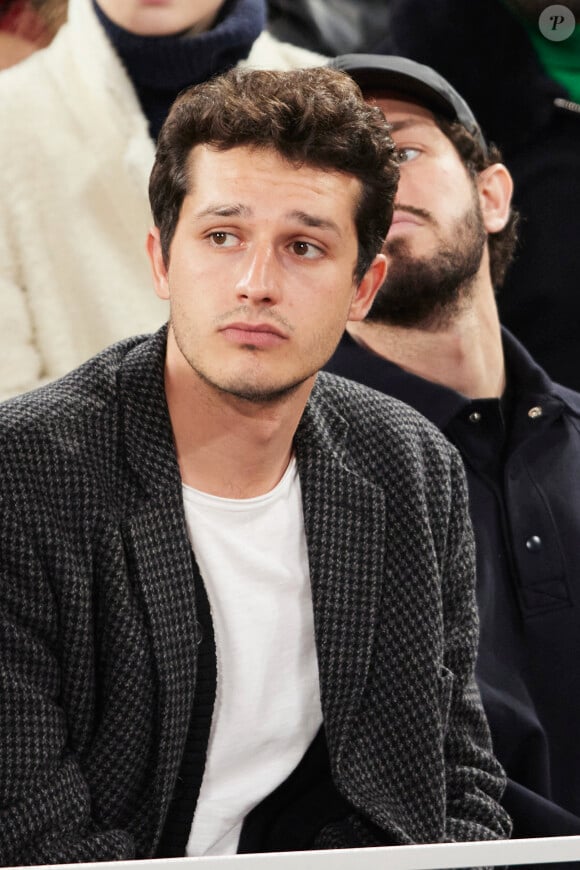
(257, 334)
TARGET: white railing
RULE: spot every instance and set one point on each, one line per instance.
(541, 850)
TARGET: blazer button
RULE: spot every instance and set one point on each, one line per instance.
(534, 544)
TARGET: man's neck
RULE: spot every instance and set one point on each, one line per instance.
(227, 446)
(464, 354)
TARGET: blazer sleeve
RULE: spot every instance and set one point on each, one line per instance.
(45, 807)
(475, 780)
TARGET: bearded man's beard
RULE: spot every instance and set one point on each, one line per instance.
(429, 291)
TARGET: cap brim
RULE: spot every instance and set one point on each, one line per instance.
(373, 79)
(418, 82)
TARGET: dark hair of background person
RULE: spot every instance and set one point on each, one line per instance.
(310, 117)
(501, 245)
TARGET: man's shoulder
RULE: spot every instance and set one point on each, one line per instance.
(530, 378)
(76, 443)
(378, 421)
(55, 412)
(380, 440)
(571, 399)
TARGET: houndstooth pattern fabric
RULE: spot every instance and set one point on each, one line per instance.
(98, 617)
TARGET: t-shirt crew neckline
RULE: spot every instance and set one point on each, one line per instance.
(197, 496)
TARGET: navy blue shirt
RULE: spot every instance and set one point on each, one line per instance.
(522, 459)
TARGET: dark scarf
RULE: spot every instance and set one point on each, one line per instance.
(161, 66)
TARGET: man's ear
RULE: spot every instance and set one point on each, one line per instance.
(495, 187)
(158, 267)
(368, 288)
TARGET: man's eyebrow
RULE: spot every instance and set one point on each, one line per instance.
(218, 209)
(310, 220)
(237, 209)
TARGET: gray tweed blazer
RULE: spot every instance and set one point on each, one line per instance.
(98, 617)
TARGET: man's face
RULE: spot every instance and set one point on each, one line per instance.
(161, 17)
(261, 271)
(437, 239)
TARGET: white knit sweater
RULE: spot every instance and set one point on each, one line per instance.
(75, 158)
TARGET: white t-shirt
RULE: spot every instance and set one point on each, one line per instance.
(253, 560)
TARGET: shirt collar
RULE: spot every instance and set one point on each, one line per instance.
(438, 403)
(528, 378)
(441, 404)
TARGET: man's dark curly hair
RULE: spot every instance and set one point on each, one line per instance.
(313, 117)
(501, 245)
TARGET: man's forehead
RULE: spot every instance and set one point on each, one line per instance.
(239, 164)
(257, 155)
(253, 190)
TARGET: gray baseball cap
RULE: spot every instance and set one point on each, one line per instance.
(420, 83)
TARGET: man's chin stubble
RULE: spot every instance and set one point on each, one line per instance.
(250, 393)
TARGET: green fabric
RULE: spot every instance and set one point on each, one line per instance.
(561, 60)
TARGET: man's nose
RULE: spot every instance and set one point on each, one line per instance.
(259, 281)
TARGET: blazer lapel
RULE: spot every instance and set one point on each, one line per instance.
(344, 518)
(384, 743)
(160, 557)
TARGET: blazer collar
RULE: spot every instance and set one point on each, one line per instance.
(438, 403)
(531, 379)
(147, 432)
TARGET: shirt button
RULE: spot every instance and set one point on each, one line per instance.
(534, 544)
(535, 412)
(475, 417)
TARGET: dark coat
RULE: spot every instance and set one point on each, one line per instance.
(98, 617)
(485, 52)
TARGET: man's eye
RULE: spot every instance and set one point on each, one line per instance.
(223, 240)
(306, 250)
(406, 154)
